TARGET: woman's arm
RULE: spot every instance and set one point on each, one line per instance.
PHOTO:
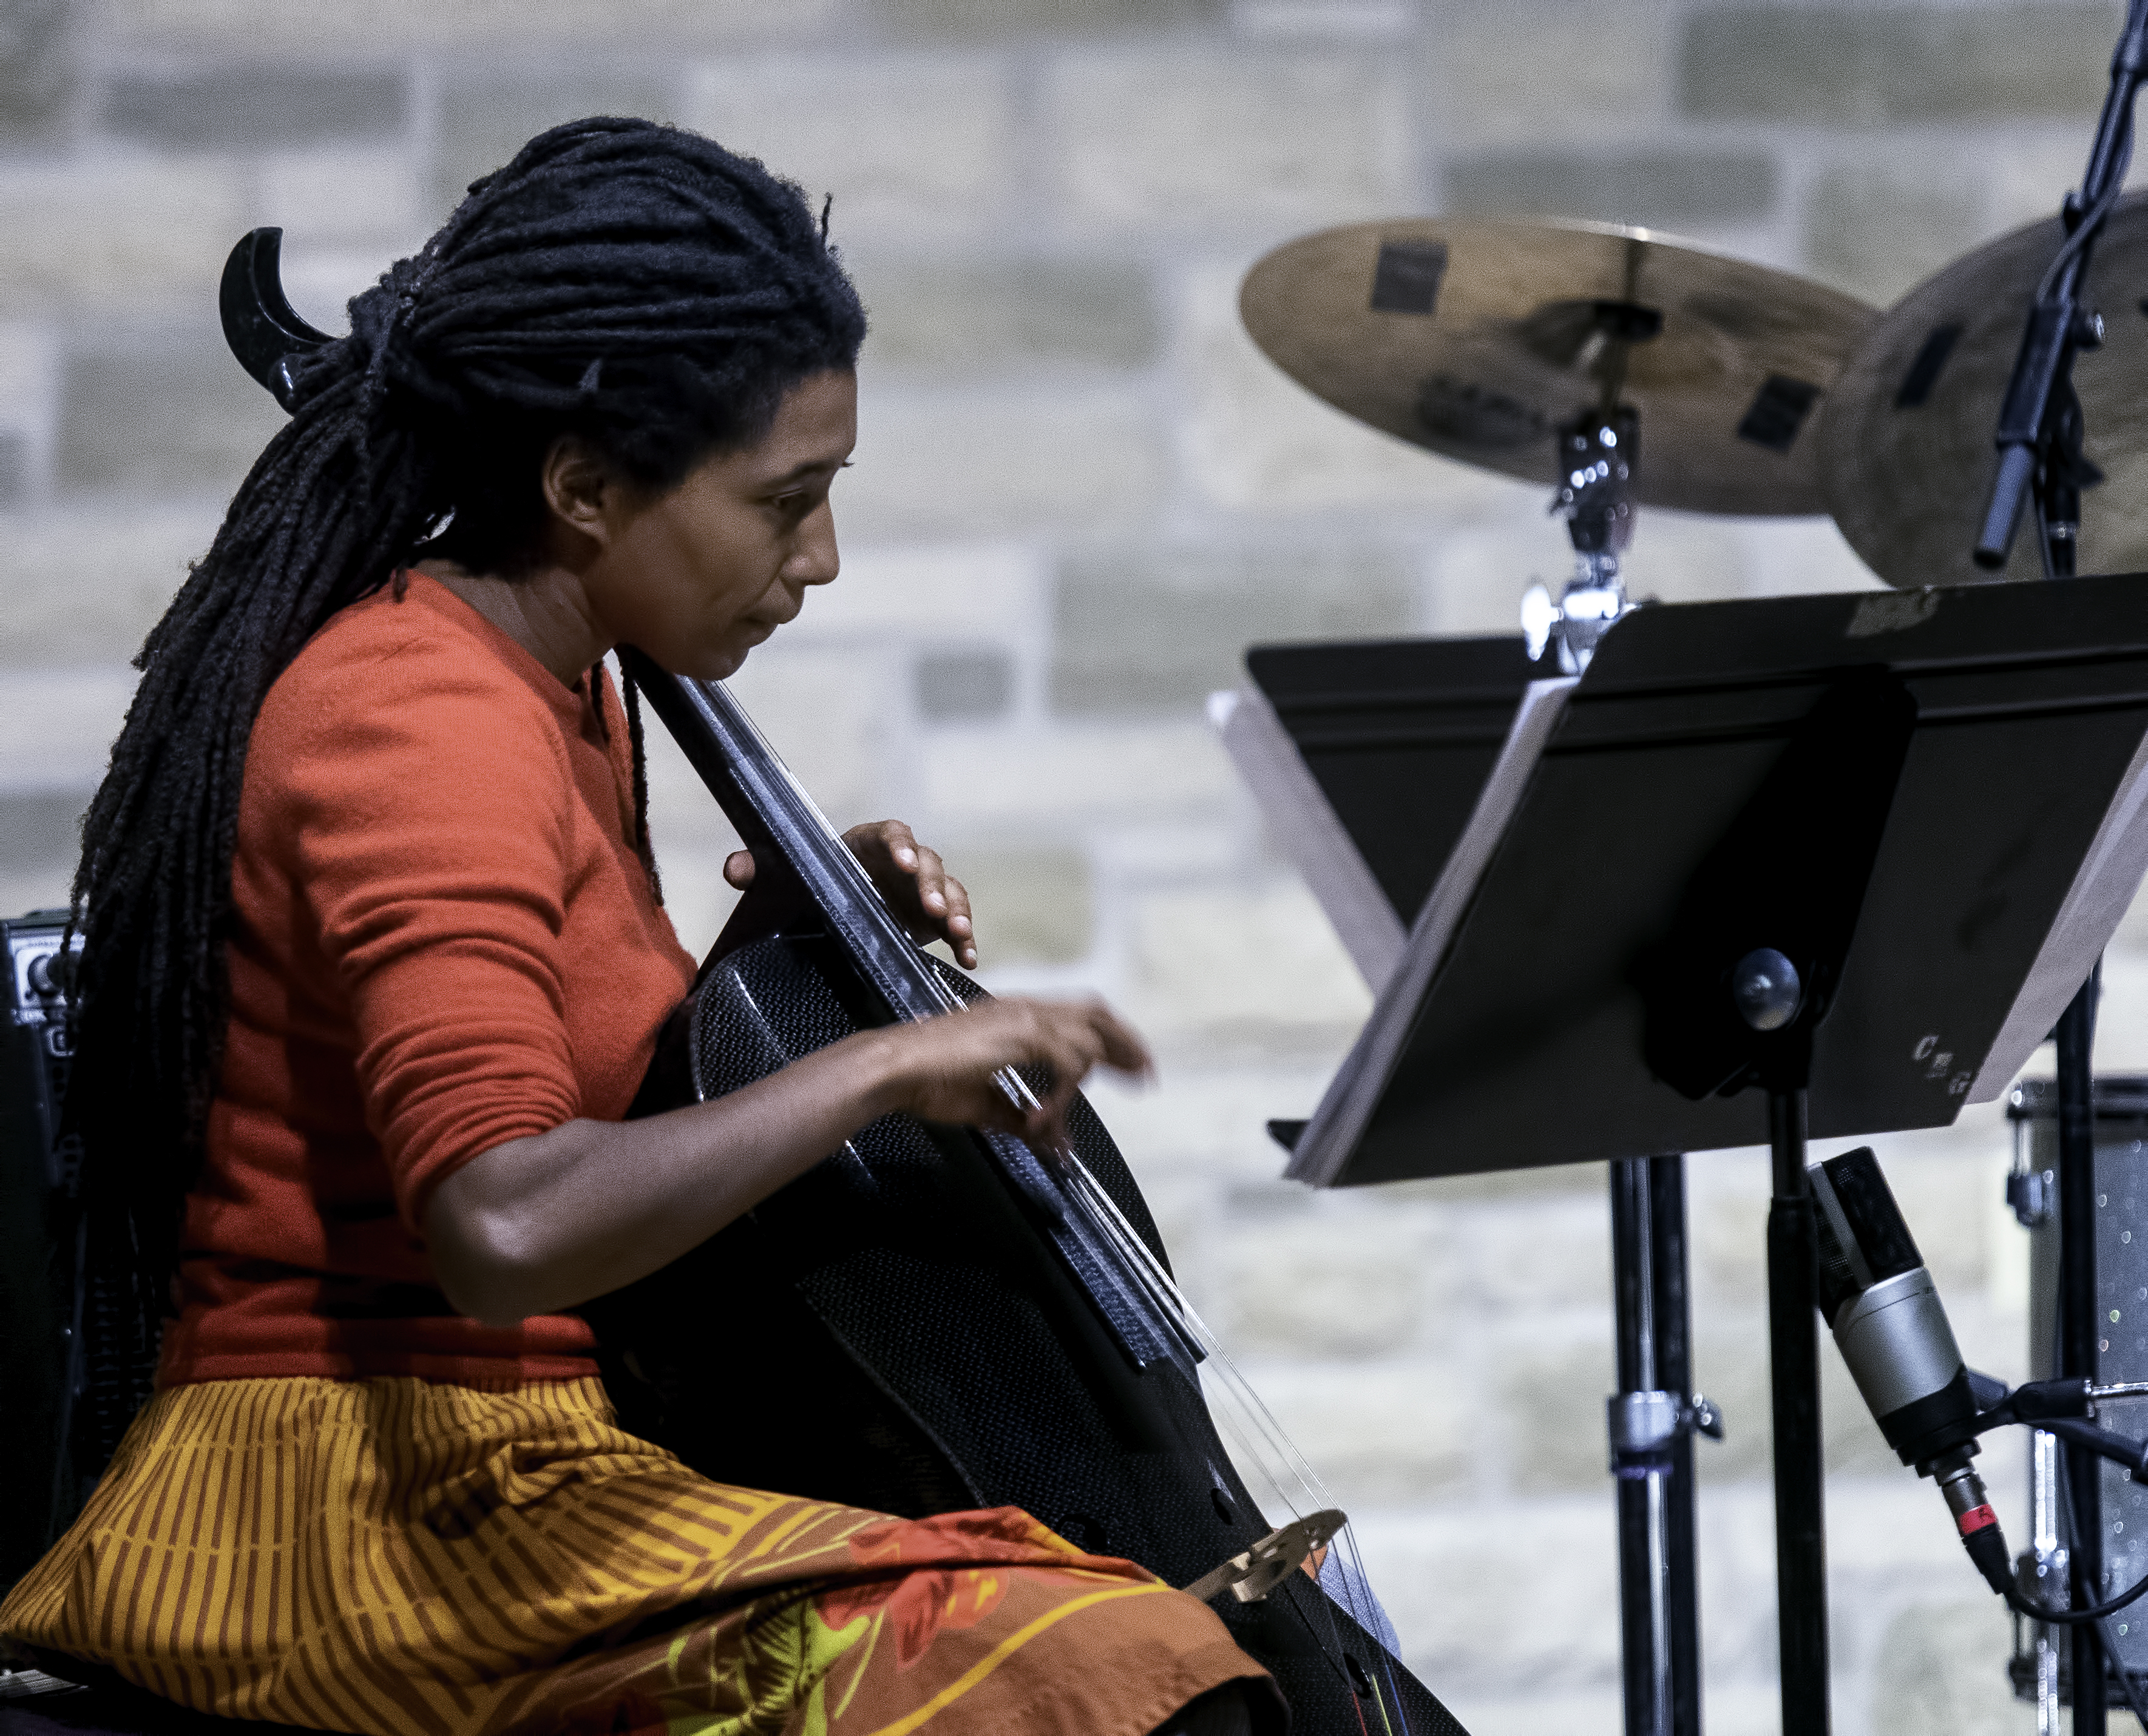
(544, 1222)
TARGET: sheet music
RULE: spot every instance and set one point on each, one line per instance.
(2110, 877)
(1333, 1133)
(1305, 829)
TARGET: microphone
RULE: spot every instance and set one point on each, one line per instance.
(1889, 1322)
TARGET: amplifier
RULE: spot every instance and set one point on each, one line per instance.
(40, 1359)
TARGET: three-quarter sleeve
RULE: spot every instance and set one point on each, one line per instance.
(428, 826)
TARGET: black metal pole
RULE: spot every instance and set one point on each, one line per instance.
(1673, 1315)
(2079, 1330)
(1794, 1370)
(1643, 1617)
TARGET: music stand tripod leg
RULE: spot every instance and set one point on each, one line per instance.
(1653, 1416)
(1794, 1376)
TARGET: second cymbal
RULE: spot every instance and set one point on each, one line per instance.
(1907, 453)
(1480, 337)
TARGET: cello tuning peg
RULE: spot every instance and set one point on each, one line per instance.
(264, 331)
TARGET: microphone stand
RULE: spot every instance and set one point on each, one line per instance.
(2039, 435)
(2041, 458)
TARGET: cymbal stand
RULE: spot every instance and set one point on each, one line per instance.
(2041, 458)
(2039, 435)
(1597, 453)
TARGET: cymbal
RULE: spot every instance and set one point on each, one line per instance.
(1906, 452)
(1479, 337)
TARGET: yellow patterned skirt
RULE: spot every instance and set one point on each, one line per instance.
(391, 1557)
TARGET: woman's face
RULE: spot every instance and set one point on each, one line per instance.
(699, 575)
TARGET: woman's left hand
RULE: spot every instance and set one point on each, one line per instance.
(928, 900)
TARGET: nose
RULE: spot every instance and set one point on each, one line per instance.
(814, 560)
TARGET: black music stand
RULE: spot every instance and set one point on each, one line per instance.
(1822, 778)
(1330, 737)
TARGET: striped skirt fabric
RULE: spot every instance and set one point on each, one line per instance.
(391, 1557)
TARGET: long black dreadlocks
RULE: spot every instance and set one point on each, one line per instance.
(635, 285)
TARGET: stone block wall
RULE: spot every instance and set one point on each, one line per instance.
(1079, 492)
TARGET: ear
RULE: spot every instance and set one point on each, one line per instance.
(581, 491)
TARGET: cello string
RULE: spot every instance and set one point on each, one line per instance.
(1259, 1438)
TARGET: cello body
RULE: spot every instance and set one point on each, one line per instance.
(908, 1328)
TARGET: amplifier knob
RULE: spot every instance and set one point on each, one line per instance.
(43, 980)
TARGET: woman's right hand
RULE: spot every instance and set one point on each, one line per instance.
(549, 1220)
(941, 1069)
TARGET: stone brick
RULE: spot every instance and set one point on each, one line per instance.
(61, 721)
(37, 66)
(1876, 226)
(164, 411)
(1792, 557)
(250, 108)
(87, 236)
(40, 833)
(1033, 906)
(1727, 1227)
(968, 21)
(485, 118)
(1935, 1674)
(1125, 773)
(1328, 1284)
(1478, 574)
(2122, 1038)
(252, 28)
(1373, 1431)
(826, 711)
(1208, 1122)
(1685, 558)
(1255, 441)
(29, 369)
(1555, 1255)
(951, 317)
(319, 199)
(2024, 182)
(925, 144)
(1181, 138)
(1489, 1595)
(1949, 1205)
(1541, 72)
(1262, 963)
(1552, 1389)
(962, 686)
(993, 464)
(1662, 187)
(1882, 65)
(923, 592)
(1329, 20)
(18, 468)
(1150, 629)
(83, 585)
(1527, 1186)
(1537, 1713)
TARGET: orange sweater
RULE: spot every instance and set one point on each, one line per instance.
(444, 940)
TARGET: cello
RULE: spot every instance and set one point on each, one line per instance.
(953, 1319)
